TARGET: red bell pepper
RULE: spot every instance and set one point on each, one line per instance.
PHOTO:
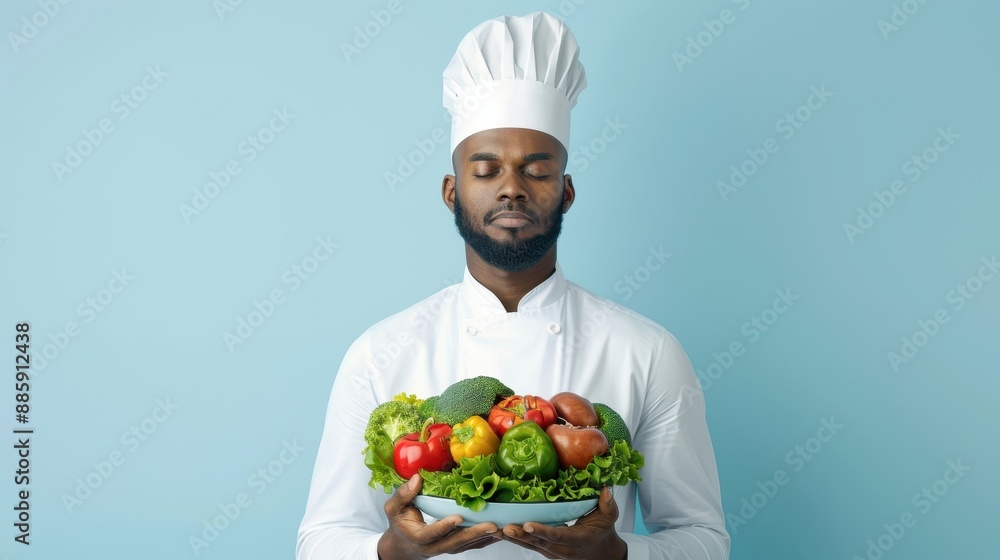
(427, 449)
(514, 410)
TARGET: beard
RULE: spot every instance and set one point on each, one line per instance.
(512, 254)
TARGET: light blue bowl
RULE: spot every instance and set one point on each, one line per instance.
(549, 513)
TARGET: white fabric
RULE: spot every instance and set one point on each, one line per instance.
(514, 72)
(561, 338)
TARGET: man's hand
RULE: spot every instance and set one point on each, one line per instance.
(593, 536)
(409, 537)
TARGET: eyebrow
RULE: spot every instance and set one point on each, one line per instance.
(487, 156)
(540, 156)
(483, 156)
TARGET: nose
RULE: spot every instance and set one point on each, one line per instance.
(513, 188)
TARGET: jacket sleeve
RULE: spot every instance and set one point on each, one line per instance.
(680, 498)
(344, 517)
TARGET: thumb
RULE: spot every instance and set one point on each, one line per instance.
(409, 490)
(606, 504)
(403, 495)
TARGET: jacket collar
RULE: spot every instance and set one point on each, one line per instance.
(482, 299)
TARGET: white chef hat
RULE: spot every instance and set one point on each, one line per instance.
(514, 72)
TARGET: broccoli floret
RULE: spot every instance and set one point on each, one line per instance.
(428, 408)
(612, 425)
(470, 397)
(387, 423)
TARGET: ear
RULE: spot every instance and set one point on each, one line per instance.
(569, 193)
(448, 192)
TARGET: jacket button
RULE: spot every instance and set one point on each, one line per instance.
(472, 331)
(554, 328)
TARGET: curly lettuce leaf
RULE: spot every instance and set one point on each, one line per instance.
(475, 480)
(378, 458)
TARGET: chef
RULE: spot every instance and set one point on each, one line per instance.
(515, 317)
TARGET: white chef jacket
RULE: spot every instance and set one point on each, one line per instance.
(561, 338)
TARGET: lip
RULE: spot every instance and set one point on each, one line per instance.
(511, 219)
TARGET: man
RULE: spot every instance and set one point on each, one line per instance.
(510, 88)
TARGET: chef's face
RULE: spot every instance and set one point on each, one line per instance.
(509, 194)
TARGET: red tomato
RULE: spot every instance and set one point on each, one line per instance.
(427, 449)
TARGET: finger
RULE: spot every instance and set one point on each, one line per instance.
(606, 512)
(403, 495)
(520, 533)
(606, 505)
(426, 534)
(476, 545)
(487, 527)
(475, 537)
(485, 541)
(516, 535)
(544, 532)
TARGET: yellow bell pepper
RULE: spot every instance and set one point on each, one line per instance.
(473, 437)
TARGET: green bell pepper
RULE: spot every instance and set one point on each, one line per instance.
(526, 451)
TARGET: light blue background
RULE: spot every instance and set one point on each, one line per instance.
(653, 187)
